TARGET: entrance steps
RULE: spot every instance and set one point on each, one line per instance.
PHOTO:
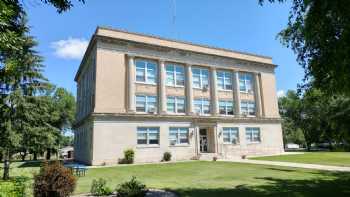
(209, 156)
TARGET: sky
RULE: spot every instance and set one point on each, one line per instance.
(239, 25)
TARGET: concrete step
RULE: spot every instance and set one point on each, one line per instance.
(209, 156)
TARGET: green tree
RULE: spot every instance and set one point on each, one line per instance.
(12, 14)
(20, 76)
(319, 33)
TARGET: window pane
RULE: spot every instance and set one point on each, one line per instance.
(205, 77)
(151, 73)
(140, 71)
(196, 77)
(171, 104)
(170, 75)
(141, 136)
(140, 103)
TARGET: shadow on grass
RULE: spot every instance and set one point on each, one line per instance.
(30, 164)
(338, 184)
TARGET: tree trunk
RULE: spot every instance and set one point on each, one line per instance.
(23, 155)
(35, 156)
(308, 146)
(48, 154)
(1, 157)
(6, 174)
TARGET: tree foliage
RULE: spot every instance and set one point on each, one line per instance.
(320, 118)
(319, 33)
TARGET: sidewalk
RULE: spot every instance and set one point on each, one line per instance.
(294, 165)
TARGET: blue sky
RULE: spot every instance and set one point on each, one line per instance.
(238, 25)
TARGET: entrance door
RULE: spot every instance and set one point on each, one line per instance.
(203, 140)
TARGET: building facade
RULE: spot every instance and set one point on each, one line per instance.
(156, 95)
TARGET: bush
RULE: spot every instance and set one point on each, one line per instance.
(167, 156)
(99, 188)
(14, 187)
(54, 180)
(132, 188)
(129, 155)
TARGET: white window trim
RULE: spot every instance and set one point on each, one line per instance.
(146, 103)
(224, 78)
(230, 134)
(247, 101)
(176, 107)
(146, 72)
(226, 114)
(201, 70)
(178, 136)
(175, 76)
(253, 142)
(147, 137)
(202, 106)
(251, 91)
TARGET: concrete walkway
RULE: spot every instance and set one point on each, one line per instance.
(293, 165)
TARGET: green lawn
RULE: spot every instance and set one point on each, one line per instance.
(323, 158)
(206, 178)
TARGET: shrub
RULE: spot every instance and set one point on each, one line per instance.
(129, 155)
(167, 156)
(215, 158)
(132, 188)
(99, 188)
(53, 180)
(14, 187)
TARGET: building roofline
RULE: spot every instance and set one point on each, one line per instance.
(180, 41)
(217, 49)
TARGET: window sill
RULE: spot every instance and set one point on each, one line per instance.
(225, 143)
(145, 83)
(247, 92)
(175, 114)
(175, 86)
(139, 146)
(224, 90)
(146, 113)
(251, 143)
(180, 145)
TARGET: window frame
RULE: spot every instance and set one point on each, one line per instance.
(178, 136)
(201, 71)
(147, 132)
(202, 100)
(245, 80)
(231, 134)
(176, 104)
(248, 104)
(175, 75)
(147, 103)
(145, 71)
(224, 78)
(226, 106)
(251, 135)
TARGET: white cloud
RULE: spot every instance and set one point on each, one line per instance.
(71, 48)
(281, 93)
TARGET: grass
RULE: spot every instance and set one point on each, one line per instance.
(204, 178)
(323, 158)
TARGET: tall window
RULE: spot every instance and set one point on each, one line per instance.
(252, 135)
(147, 135)
(146, 71)
(248, 108)
(200, 77)
(178, 136)
(176, 104)
(245, 82)
(230, 135)
(202, 106)
(226, 107)
(224, 80)
(175, 75)
(146, 103)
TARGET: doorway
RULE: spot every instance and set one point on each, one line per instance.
(203, 140)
